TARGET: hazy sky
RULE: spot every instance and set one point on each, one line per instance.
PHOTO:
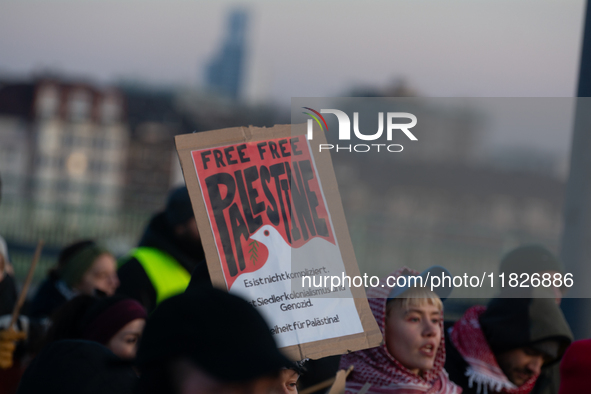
(307, 48)
(451, 48)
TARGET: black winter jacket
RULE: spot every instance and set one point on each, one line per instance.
(136, 284)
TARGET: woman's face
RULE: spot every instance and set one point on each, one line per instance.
(124, 342)
(413, 335)
(101, 275)
(288, 382)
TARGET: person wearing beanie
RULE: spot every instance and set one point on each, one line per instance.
(536, 259)
(116, 322)
(83, 267)
(575, 367)
(208, 341)
(504, 347)
(532, 259)
(169, 255)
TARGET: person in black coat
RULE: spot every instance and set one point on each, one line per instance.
(208, 341)
(78, 367)
(170, 242)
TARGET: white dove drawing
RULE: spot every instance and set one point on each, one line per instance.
(316, 253)
(279, 250)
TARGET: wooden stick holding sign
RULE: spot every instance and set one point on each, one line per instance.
(25, 289)
(10, 335)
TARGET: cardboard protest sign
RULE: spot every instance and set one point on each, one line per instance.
(269, 214)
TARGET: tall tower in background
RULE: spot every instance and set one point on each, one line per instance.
(225, 72)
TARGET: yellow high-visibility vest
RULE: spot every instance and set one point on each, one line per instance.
(167, 275)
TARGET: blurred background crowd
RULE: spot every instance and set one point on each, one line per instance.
(91, 95)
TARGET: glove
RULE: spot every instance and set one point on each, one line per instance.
(8, 339)
(22, 323)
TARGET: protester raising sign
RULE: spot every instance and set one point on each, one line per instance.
(269, 214)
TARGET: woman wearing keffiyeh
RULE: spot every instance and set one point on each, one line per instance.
(411, 359)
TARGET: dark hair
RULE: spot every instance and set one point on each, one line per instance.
(73, 318)
(199, 325)
(70, 250)
(299, 367)
(161, 376)
(157, 378)
(178, 207)
(66, 254)
(66, 319)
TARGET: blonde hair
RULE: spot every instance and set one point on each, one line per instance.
(415, 297)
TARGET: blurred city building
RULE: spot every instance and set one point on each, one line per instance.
(63, 144)
(439, 201)
(79, 160)
(461, 216)
(156, 115)
(225, 73)
(454, 132)
(152, 161)
(208, 112)
(15, 136)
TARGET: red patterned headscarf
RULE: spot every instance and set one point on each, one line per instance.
(379, 368)
(483, 370)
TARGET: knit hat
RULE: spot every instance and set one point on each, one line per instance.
(220, 333)
(529, 259)
(511, 323)
(111, 314)
(178, 206)
(77, 367)
(574, 368)
(74, 268)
